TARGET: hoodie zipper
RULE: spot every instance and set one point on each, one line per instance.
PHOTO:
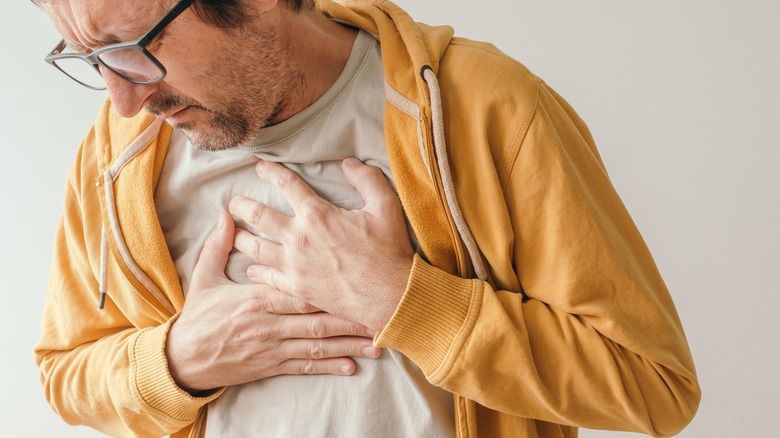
(438, 153)
(463, 237)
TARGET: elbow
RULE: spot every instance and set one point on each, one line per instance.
(675, 413)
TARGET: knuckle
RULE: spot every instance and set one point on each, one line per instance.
(257, 250)
(355, 329)
(264, 332)
(252, 306)
(373, 171)
(300, 306)
(317, 328)
(356, 349)
(259, 304)
(315, 215)
(257, 213)
(285, 179)
(390, 200)
(212, 242)
(309, 367)
(317, 350)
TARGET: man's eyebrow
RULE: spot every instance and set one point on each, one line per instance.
(76, 46)
(108, 40)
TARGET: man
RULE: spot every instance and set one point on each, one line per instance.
(512, 294)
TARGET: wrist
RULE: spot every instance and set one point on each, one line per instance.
(151, 379)
(179, 356)
(434, 303)
(398, 284)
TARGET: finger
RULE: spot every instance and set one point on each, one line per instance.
(329, 348)
(259, 215)
(273, 301)
(297, 193)
(270, 276)
(342, 366)
(372, 185)
(261, 250)
(210, 268)
(318, 326)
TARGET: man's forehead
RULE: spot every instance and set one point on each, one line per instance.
(93, 23)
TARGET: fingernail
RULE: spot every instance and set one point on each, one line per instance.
(371, 351)
(345, 369)
(251, 271)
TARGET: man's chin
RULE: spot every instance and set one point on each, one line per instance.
(208, 140)
(213, 131)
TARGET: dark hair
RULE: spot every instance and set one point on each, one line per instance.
(231, 14)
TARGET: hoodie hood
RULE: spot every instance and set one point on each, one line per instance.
(405, 41)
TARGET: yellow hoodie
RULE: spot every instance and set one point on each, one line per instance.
(538, 304)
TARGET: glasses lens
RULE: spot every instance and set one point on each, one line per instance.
(132, 64)
(81, 71)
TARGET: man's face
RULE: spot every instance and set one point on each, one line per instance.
(222, 86)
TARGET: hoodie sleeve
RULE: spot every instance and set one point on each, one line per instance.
(591, 337)
(105, 369)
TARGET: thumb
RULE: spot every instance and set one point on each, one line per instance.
(213, 258)
(372, 186)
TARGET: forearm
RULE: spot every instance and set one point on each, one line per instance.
(117, 384)
(105, 369)
(576, 325)
(531, 360)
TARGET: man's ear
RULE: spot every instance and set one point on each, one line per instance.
(263, 6)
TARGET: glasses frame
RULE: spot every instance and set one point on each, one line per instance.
(138, 45)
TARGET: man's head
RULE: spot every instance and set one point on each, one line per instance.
(230, 14)
(230, 66)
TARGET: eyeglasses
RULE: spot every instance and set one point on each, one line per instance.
(130, 60)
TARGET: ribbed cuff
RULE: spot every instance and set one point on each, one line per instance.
(152, 382)
(433, 319)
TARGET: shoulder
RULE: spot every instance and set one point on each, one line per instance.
(490, 100)
(487, 75)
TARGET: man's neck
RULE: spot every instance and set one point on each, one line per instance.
(321, 48)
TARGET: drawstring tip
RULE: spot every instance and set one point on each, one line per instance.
(102, 303)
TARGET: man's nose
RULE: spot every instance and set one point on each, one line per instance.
(128, 98)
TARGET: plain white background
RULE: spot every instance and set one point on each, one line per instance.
(683, 99)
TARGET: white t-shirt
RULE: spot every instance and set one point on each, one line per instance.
(386, 397)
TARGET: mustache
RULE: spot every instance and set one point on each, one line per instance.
(166, 104)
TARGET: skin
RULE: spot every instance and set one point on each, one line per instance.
(352, 263)
(337, 276)
(207, 67)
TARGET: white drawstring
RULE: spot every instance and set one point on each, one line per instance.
(111, 220)
(440, 146)
(103, 285)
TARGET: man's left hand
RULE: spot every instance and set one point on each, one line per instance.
(351, 263)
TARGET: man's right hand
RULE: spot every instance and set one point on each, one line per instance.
(228, 334)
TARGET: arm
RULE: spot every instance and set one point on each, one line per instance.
(110, 369)
(593, 340)
(229, 334)
(103, 369)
